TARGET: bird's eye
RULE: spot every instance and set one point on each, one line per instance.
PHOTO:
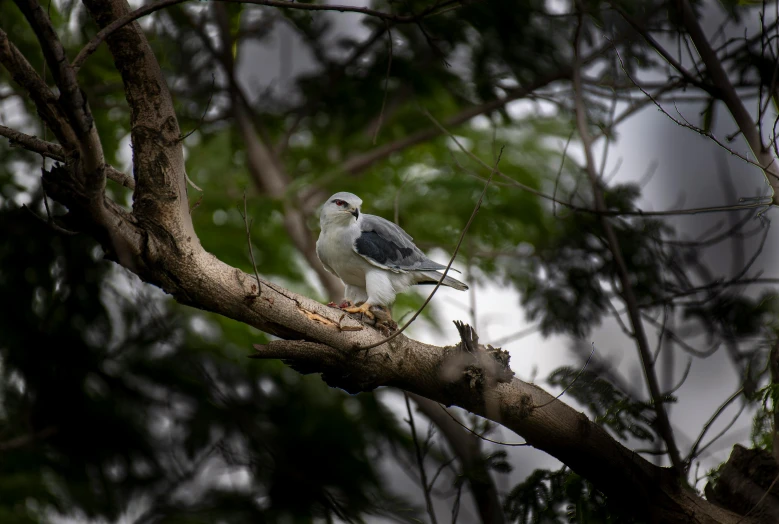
(339, 202)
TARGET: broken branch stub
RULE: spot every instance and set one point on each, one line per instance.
(480, 365)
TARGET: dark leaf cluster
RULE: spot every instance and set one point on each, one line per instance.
(560, 496)
(609, 406)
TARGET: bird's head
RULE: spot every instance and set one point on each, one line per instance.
(341, 208)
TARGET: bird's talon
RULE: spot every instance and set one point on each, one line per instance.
(332, 304)
(365, 309)
(345, 304)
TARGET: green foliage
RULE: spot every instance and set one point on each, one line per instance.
(114, 402)
(552, 497)
(569, 281)
(122, 394)
(762, 434)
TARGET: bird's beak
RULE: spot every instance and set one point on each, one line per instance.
(356, 213)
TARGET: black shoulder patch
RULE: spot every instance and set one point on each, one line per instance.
(372, 245)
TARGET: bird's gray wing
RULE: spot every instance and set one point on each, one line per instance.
(385, 245)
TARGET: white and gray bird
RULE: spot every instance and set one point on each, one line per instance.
(373, 257)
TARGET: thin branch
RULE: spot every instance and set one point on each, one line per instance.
(579, 374)
(727, 94)
(386, 86)
(420, 462)
(708, 134)
(580, 209)
(727, 427)
(682, 380)
(465, 446)
(205, 111)
(33, 143)
(689, 77)
(502, 341)
(661, 334)
(482, 437)
(628, 295)
(56, 152)
(707, 425)
(560, 171)
(148, 9)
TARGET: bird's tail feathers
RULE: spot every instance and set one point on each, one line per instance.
(432, 277)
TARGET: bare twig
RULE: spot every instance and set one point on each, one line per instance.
(681, 380)
(249, 241)
(465, 446)
(45, 100)
(515, 336)
(482, 437)
(386, 86)
(560, 172)
(724, 430)
(603, 212)
(727, 93)
(694, 449)
(579, 374)
(203, 116)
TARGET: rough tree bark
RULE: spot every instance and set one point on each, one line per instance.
(158, 243)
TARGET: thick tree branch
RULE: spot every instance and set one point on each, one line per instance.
(72, 98)
(73, 104)
(440, 374)
(159, 244)
(160, 196)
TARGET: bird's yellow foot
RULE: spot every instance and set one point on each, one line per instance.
(364, 308)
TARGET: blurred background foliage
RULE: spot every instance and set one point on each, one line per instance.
(116, 402)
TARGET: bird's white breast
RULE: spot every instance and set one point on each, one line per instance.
(335, 249)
